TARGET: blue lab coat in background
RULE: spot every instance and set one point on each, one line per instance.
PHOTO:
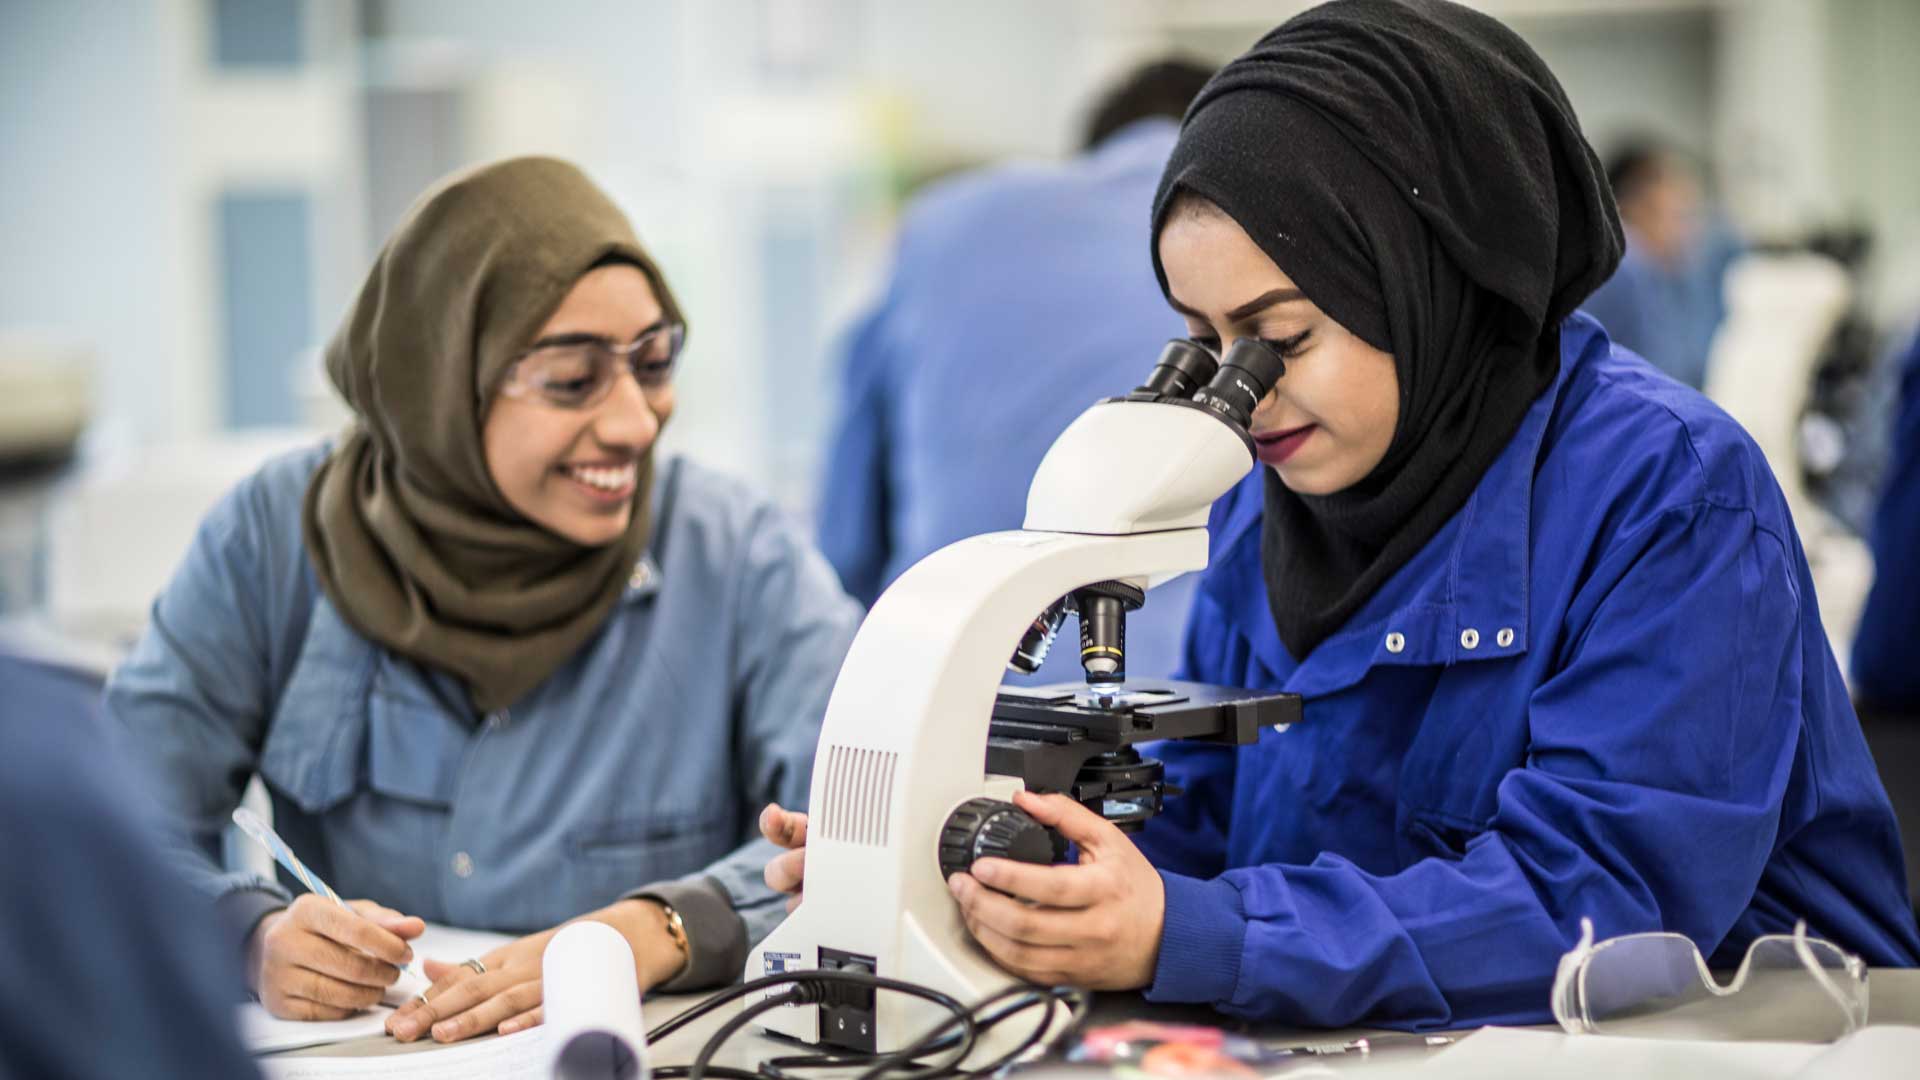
(1601, 690)
(1019, 296)
(109, 965)
(1885, 671)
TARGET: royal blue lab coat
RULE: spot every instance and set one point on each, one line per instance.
(1601, 690)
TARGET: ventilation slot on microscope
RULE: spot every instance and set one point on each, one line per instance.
(859, 789)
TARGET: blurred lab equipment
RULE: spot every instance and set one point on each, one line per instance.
(1781, 312)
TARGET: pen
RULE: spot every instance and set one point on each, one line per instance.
(251, 824)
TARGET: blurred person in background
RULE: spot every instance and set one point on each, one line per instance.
(1665, 302)
(1016, 300)
(114, 967)
(1886, 677)
(497, 666)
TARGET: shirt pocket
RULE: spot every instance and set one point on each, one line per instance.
(614, 855)
(413, 750)
(1472, 733)
(314, 743)
(334, 737)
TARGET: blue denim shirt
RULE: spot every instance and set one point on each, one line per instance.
(642, 760)
(1601, 690)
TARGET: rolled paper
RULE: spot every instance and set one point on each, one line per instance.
(594, 1029)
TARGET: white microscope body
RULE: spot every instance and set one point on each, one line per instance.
(1122, 495)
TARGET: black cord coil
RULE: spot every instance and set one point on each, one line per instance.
(814, 987)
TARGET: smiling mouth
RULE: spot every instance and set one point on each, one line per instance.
(608, 482)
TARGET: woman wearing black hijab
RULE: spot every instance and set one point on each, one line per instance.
(1555, 632)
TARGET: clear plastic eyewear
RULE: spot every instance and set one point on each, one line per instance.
(578, 374)
(1789, 987)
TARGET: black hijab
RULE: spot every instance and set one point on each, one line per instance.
(1418, 173)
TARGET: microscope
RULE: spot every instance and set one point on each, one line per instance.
(921, 746)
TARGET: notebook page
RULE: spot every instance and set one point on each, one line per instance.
(508, 1057)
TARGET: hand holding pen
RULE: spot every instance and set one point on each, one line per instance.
(323, 958)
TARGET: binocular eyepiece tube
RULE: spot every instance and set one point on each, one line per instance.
(1245, 375)
(1230, 387)
(1184, 367)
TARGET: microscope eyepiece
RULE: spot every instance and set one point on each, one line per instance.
(1246, 373)
(1184, 366)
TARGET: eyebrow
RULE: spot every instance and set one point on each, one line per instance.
(1252, 307)
(581, 338)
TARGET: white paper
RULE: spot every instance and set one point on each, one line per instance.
(593, 1028)
(593, 1006)
(452, 944)
(263, 1033)
(508, 1057)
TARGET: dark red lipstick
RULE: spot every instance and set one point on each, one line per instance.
(1275, 447)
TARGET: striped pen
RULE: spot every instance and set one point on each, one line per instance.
(251, 824)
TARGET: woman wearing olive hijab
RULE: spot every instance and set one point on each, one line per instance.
(1555, 634)
(497, 666)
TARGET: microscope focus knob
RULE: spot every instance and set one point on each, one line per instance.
(982, 828)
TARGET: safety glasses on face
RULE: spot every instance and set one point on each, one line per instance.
(576, 371)
(1789, 987)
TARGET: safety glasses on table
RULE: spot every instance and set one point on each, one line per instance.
(1789, 987)
(576, 372)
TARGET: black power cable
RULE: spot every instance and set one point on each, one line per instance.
(815, 987)
(698, 1071)
(784, 1068)
(809, 987)
(1026, 998)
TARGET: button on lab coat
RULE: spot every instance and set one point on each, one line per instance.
(1601, 690)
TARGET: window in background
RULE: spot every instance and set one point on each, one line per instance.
(266, 263)
(412, 129)
(258, 33)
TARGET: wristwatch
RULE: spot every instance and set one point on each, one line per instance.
(677, 930)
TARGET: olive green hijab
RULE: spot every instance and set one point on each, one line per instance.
(412, 541)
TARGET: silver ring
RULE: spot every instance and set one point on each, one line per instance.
(478, 967)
